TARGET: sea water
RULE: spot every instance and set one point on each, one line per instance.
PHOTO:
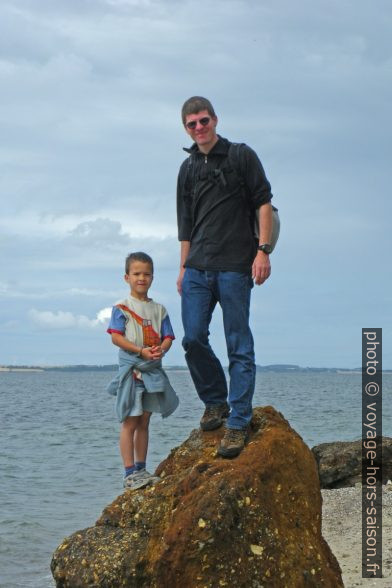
(59, 459)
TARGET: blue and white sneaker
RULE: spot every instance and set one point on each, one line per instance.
(140, 479)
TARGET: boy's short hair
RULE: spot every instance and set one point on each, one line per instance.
(196, 104)
(138, 256)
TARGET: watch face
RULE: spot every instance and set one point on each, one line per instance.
(266, 248)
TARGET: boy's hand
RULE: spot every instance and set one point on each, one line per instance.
(151, 353)
(147, 353)
(157, 351)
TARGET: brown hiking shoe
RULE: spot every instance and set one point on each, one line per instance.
(233, 442)
(213, 416)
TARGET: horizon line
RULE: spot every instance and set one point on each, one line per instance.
(284, 366)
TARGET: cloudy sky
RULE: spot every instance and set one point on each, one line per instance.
(91, 142)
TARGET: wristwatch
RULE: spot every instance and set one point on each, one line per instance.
(266, 247)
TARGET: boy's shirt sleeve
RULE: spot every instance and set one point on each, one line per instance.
(166, 329)
(117, 322)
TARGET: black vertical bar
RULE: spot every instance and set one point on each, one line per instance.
(371, 453)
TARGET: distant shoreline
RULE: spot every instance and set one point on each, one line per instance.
(21, 369)
(279, 368)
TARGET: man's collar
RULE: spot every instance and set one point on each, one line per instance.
(221, 147)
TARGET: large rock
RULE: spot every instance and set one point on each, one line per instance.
(249, 522)
(340, 462)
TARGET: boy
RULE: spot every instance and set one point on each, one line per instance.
(141, 329)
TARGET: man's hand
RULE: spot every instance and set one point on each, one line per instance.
(185, 248)
(261, 268)
(179, 280)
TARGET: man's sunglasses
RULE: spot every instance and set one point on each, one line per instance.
(203, 121)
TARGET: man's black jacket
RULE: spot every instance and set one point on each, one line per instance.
(216, 204)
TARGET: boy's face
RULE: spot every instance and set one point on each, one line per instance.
(139, 278)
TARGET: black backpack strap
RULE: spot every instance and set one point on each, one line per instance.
(235, 161)
(190, 175)
(192, 178)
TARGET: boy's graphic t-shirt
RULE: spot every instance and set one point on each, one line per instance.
(145, 323)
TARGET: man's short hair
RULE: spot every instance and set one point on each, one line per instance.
(138, 256)
(196, 104)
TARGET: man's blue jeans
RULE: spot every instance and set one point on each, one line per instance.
(201, 290)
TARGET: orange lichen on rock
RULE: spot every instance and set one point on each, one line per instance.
(249, 522)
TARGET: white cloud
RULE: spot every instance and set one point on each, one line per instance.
(113, 233)
(104, 315)
(68, 320)
(88, 292)
(109, 224)
(100, 232)
(10, 291)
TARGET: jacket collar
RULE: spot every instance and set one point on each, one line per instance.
(221, 147)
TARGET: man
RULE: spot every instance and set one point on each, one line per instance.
(220, 259)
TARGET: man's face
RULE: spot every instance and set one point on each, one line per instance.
(202, 128)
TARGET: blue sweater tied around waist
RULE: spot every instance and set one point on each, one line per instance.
(155, 380)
